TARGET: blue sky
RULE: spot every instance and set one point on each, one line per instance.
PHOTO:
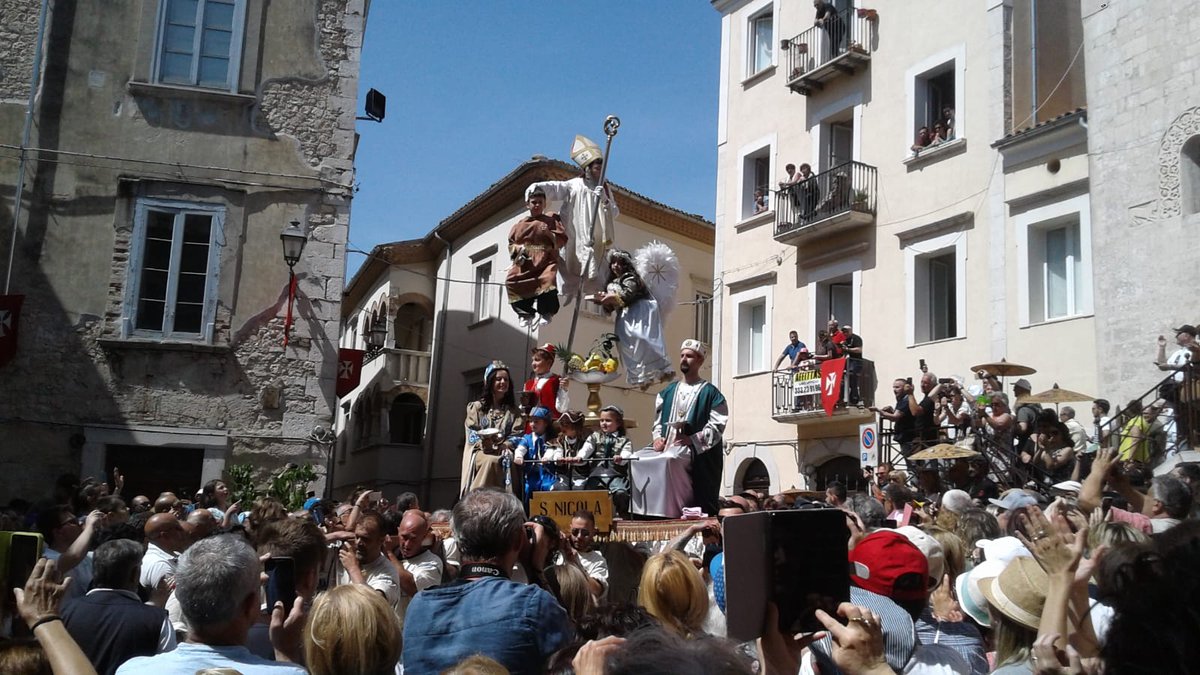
(475, 88)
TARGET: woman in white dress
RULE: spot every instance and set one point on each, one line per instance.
(638, 322)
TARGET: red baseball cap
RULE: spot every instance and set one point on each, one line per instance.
(887, 563)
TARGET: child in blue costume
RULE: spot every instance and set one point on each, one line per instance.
(532, 446)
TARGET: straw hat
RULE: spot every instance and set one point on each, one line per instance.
(1019, 592)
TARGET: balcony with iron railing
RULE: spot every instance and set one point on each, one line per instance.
(836, 200)
(835, 47)
(796, 394)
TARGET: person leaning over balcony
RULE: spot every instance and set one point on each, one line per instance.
(831, 22)
(808, 191)
(791, 351)
(921, 141)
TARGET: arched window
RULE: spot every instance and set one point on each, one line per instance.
(413, 328)
(407, 419)
(845, 470)
(756, 477)
(1189, 178)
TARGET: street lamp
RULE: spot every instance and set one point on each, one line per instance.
(294, 238)
(377, 335)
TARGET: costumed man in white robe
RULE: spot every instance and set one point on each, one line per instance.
(683, 466)
(585, 251)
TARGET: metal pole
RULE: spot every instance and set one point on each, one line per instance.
(611, 124)
(33, 82)
(1033, 93)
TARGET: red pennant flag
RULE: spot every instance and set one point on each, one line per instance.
(831, 383)
(10, 314)
(349, 372)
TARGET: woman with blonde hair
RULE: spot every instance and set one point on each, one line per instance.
(673, 592)
(352, 629)
(569, 585)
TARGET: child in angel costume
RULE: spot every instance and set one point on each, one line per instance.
(532, 280)
(640, 290)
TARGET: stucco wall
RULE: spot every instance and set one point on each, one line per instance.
(966, 187)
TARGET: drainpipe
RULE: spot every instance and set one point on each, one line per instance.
(1033, 102)
(435, 374)
(25, 133)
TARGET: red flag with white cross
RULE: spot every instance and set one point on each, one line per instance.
(831, 383)
(10, 314)
(349, 371)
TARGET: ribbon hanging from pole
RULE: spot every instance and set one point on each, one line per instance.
(287, 324)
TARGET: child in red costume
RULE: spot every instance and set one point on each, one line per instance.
(550, 388)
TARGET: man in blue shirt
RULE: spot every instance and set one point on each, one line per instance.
(483, 612)
(217, 583)
(790, 352)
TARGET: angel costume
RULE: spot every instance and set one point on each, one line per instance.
(578, 197)
(639, 321)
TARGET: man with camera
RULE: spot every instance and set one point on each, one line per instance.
(579, 550)
(363, 561)
(900, 415)
(483, 611)
(925, 428)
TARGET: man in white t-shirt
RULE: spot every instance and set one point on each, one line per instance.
(363, 561)
(417, 568)
(581, 553)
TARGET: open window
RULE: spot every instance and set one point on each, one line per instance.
(756, 182)
(760, 40)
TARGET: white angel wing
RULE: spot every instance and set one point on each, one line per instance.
(658, 266)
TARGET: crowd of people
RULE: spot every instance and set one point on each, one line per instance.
(947, 578)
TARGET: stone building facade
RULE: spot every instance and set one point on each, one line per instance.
(1144, 152)
(171, 143)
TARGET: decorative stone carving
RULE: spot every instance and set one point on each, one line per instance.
(1169, 189)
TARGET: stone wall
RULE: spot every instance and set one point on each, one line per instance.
(74, 370)
(18, 32)
(1142, 64)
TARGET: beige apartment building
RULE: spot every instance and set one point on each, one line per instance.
(443, 316)
(967, 251)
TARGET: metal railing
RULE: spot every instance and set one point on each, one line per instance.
(799, 391)
(409, 365)
(844, 188)
(846, 31)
